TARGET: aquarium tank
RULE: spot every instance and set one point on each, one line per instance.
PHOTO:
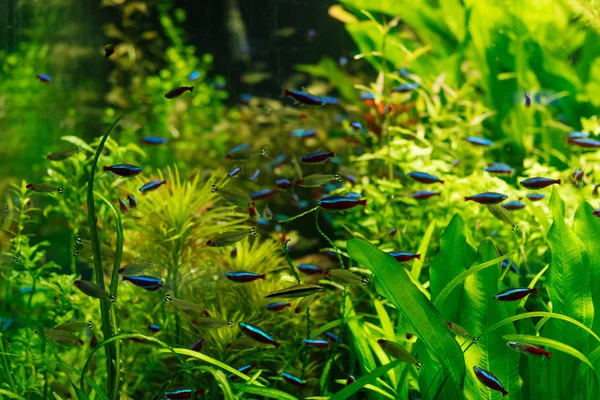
(300, 199)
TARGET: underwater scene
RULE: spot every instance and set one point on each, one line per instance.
(300, 199)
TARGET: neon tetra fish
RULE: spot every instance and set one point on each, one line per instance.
(478, 141)
(305, 98)
(539, 182)
(258, 334)
(513, 205)
(123, 206)
(243, 276)
(153, 140)
(44, 78)
(317, 158)
(151, 186)
(294, 380)
(487, 198)
(316, 343)
(178, 92)
(490, 380)
(339, 203)
(403, 256)
(277, 306)
(424, 194)
(514, 294)
(123, 169)
(145, 282)
(529, 349)
(132, 201)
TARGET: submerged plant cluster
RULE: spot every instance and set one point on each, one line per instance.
(418, 223)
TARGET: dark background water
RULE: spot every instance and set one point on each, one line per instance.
(207, 30)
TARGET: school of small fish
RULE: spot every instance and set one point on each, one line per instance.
(253, 335)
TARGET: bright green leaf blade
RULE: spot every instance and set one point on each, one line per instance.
(264, 392)
(394, 283)
(478, 311)
(418, 264)
(551, 344)
(360, 383)
(587, 228)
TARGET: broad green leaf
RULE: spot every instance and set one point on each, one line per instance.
(569, 289)
(456, 256)
(415, 308)
(364, 380)
(570, 276)
(587, 228)
(478, 311)
(455, 18)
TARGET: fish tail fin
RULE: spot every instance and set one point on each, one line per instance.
(467, 198)
(548, 354)
(504, 393)
(164, 182)
(534, 290)
(286, 92)
(191, 88)
(418, 256)
(363, 202)
(105, 168)
(61, 190)
(559, 181)
(276, 344)
(262, 276)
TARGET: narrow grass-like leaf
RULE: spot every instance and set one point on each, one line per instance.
(460, 278)
(267, 393)
(107, 329)
(364, 380)
(418, 264)
(361, 344)
(542, 314)
(394, 283)
(11, 395)
(551, 344)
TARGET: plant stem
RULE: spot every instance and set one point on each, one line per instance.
(6, 366)
(286, 255)
(114, 288)
(105, 309)
(333, 246)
